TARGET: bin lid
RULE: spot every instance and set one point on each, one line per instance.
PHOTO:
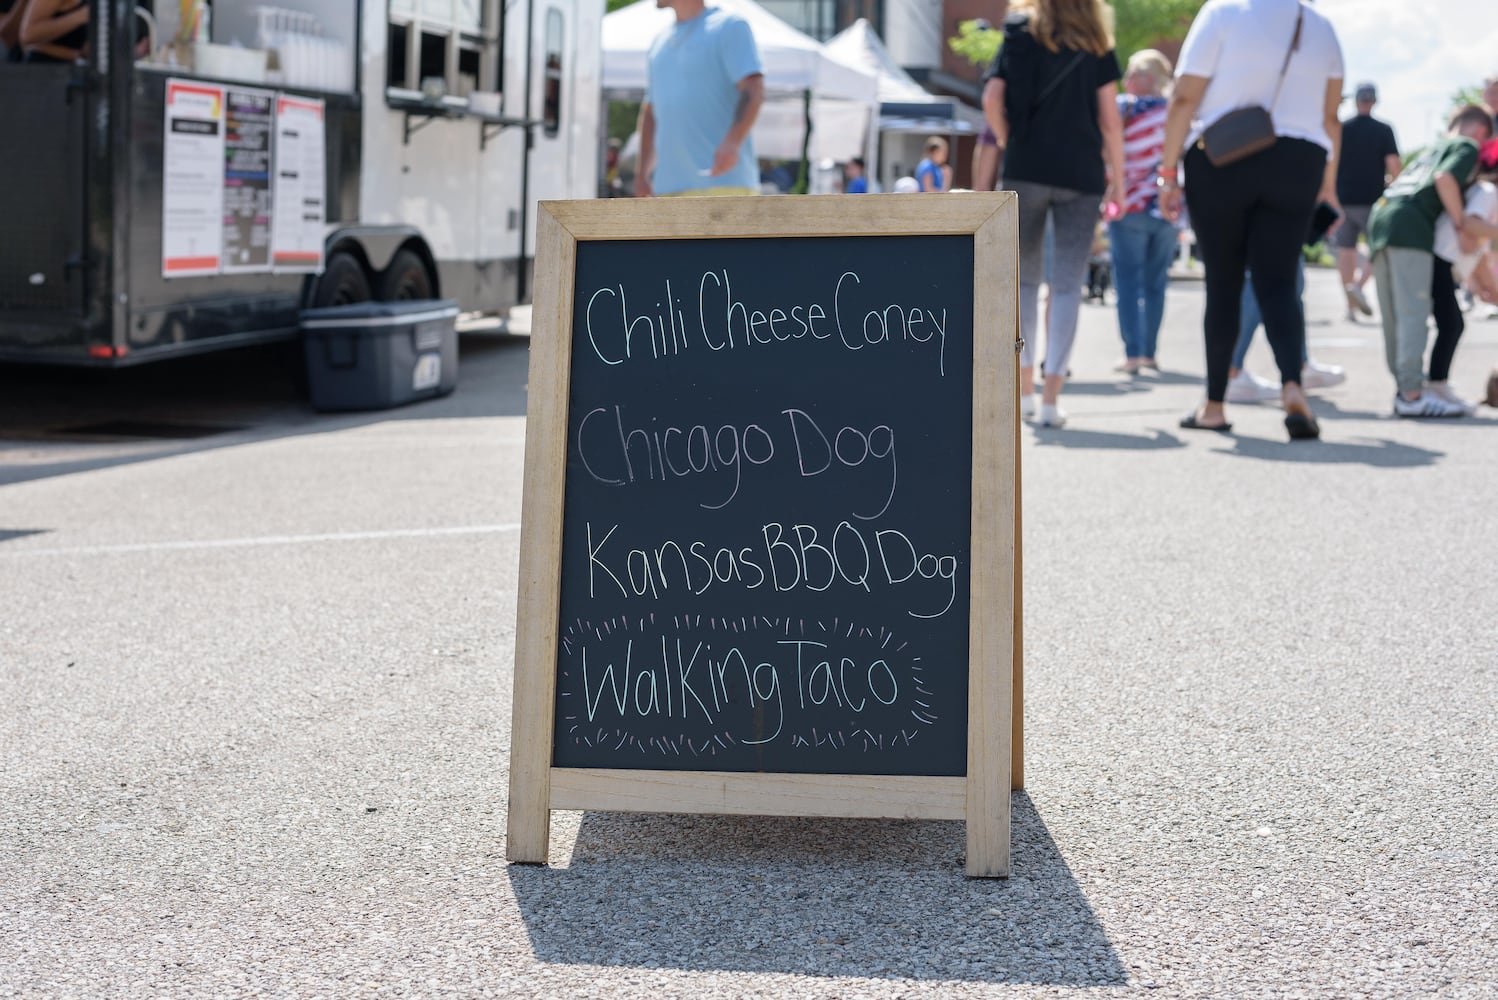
(369, 314)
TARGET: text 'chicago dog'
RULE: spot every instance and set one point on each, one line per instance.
(615, 450)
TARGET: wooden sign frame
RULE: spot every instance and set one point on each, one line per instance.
(995, 717)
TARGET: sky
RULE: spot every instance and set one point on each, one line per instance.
(1418, 54)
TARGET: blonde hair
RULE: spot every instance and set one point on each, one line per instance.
(1153, 62)
(1084, 25)
(934, 143)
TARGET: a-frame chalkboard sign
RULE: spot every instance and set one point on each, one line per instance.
(770, 536)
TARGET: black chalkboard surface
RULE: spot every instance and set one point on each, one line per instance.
(765, 542)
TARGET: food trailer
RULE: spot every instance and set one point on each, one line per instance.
(209, 168)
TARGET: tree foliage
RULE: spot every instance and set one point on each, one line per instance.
(1144, 24)
(1467, 95)
(976, 42)
(614, 5)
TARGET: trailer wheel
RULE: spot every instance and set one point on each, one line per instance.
(406, 279)
(343, 282)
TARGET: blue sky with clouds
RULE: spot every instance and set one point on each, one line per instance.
(1417, 53)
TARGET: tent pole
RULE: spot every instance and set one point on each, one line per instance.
(803, 180)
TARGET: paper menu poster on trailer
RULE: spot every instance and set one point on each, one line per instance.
(192, 203)
(249, 118)
(300, 185)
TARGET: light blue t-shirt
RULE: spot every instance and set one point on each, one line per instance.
(695, 69)
(927, 169)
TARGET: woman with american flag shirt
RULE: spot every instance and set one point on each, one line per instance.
(1141, 242)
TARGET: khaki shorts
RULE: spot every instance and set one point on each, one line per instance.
(1354, 224)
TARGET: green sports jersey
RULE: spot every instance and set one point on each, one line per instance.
(1406, 215)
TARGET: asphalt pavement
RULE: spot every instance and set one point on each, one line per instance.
(255, 669)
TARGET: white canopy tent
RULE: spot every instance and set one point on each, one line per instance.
(844, 97)
(905, 107)
(859, 45)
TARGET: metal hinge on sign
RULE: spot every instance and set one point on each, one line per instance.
(1019, 345)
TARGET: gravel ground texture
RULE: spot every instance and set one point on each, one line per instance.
(255, 713)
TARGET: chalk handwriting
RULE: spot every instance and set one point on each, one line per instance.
(713, 318)
(617, 448)
(780, 558)
(640, 687)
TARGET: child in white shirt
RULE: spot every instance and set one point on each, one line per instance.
(1462, 252)
(1462, 257)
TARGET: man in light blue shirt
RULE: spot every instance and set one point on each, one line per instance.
(705, 87)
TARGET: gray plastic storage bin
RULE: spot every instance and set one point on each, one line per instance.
(374, 355)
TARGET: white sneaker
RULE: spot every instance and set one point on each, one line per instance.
(1246, 387)
(1357, 300)
(1444, 391)
(1052, 415)
(1427, 404)
(1027, 406)
(1316, 375)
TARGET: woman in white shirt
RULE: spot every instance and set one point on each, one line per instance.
(1253, 214)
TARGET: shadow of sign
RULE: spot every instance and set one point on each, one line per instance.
(871, 899)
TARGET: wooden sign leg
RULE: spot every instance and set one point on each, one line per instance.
(528, 830)
(991, 727)
(988, 779)
(538, 604)
(991, 636)
(1017, 706)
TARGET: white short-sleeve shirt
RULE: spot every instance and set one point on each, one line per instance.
(1482, 201)
(1240, 45)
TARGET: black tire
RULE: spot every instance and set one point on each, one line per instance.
(343, 282)
(406, 279)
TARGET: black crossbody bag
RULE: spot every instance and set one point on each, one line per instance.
(1240, 134)
(1060, 78)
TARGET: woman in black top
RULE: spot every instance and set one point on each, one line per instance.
(1052, 100)
(55, 30)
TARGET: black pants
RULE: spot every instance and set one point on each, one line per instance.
(1449, 322)
(1253, 215)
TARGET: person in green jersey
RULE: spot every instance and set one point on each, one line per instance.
(1401, 237)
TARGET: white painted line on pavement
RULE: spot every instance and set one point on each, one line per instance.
(231, 543)
(1339, 341)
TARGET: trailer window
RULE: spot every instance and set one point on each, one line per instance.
(397, 43)
(551, 101)
(456, 42)
(433, 60)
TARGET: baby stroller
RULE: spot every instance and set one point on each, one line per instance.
(1099, 268)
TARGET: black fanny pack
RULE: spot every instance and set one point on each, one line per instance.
(1238, 135)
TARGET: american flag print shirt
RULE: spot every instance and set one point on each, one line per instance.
(1144, 143)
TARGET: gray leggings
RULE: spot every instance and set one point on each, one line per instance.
(1074, 216)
